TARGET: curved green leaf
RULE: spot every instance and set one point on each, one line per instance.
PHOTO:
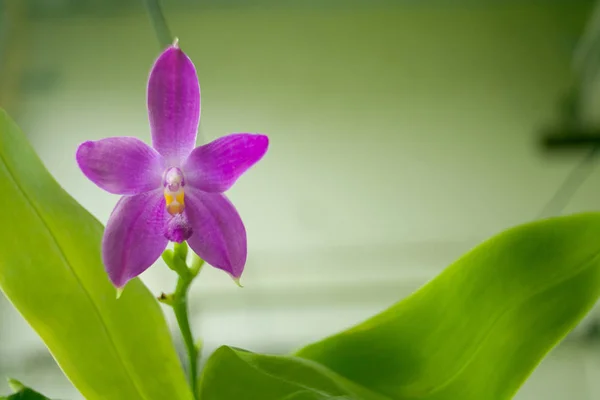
(21, 392)
(479, 329)
(25, 394)
(238, 374)
(474, 332)
(51, 271)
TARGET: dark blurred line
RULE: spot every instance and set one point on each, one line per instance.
(159, 23)
(577, 135)
(564, 140)
(570, 185)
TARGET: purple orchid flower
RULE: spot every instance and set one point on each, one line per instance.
(171, 191)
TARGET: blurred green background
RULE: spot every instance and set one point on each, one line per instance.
(402, 133)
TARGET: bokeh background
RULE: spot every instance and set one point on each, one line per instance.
(402, 134)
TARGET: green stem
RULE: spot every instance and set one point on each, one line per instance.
(180, 308)
(159, 23)
(176, 260)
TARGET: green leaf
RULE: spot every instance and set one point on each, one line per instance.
(15, 385)
(51, 271)
(475, 332)
(22, 392)
(238, 374)
(480, 328)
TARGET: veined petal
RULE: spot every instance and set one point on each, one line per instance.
(173, 105)
(214, 167)
(219, 236)
(121, 165)
(134, 236)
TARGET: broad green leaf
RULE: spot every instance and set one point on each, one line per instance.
(51, 271)
(22, 392)
(479, 329)
(237, 374)
(475, 332)
(25, 394)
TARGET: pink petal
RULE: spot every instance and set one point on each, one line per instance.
(219, 236)
(173, 105)
(214, 167)
(121, 165)
(134, 237)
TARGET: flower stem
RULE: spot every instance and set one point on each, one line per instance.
(176, 260)
(159, 23)
(180, 307)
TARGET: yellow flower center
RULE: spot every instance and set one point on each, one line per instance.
(173, 191)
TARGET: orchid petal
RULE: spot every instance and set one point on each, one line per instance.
(219, 236)
(214, 167)
(173, 105)
(121, 165)
(134, 237)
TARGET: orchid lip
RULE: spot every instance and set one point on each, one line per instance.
(178, 229)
